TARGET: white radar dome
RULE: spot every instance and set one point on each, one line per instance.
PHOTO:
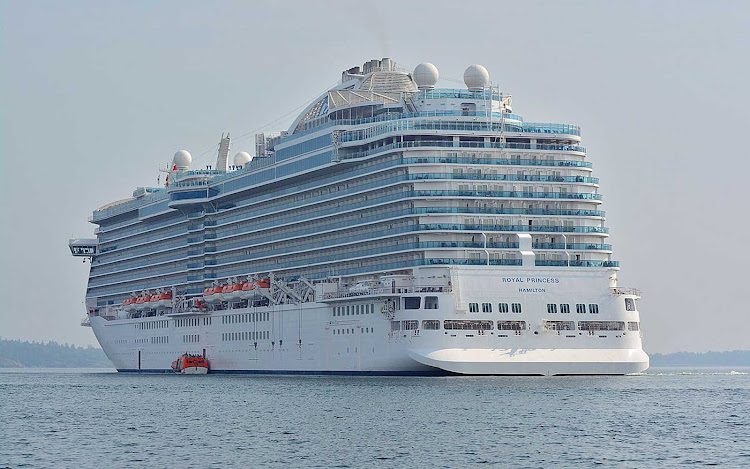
(476, 77)
(425, 76)
(182, 160)
(242, 158)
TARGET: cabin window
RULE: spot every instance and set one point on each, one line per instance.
(559, 325)
(502, 307)
(409, 325)
(473, 307)
(412, 302)
(511, 325)
(564, 308)
(452, 324)
(633, 326)
(431, 302)
(581, 308)
(593, 309)
(486, 307)
(515, 307)
(552, 308)
(629, 304)
(431, 324)
(601, 326)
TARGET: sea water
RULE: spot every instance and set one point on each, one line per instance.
(91, 418)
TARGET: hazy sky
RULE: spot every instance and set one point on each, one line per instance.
(95, 96)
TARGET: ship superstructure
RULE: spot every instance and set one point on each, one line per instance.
(395, 227)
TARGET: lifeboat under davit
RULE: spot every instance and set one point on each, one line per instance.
(232, 292)
(129, 304)
(212, 295)
(164, 300)
(140, 302)
(247, 291)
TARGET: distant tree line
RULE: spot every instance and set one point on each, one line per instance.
(20, 354)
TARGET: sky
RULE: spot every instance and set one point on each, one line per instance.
(96, 96)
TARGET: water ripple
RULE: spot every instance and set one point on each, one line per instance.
(669, 418)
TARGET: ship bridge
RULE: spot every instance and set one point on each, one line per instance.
(83, 247)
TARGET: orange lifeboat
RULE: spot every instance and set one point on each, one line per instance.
(129, 304)
(190, 364)
(163, 300)
(151, 301)
(247, 291)
(224, 292)
(140, 302)
(199, 303)
(232, 292)
(212, 295)
(263, 283)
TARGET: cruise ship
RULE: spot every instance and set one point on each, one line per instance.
(396, 227)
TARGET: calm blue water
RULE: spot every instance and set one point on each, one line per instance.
(665, 418)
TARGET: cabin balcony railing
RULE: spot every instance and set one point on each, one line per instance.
(415, 211)
(452, 144)
(559, 263)
(504, 177)
(498, 161)
(406, 125)
(573, 246)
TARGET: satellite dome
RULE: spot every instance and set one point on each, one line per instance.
(425, 76)
(476, 77)
(242, 158)
(182, 160)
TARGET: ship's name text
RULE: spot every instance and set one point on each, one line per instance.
(530, 280)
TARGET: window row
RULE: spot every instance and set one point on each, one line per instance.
(191, 338)
(248, 335)
(415, 302)
(455, 324)
(245, 318)
(187, 322)
(601, 326)
(352, 310)
(160, 340)
(152, 325)
(516, 308)
(486, 325)
(362, 330)
(565, 308)
(501, 307)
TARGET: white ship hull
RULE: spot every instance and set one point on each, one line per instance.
(311, 338)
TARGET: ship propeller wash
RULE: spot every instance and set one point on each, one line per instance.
(395, 228)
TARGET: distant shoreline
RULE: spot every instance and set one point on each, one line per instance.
(23, 354)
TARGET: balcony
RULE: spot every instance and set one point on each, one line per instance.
(559, 263)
